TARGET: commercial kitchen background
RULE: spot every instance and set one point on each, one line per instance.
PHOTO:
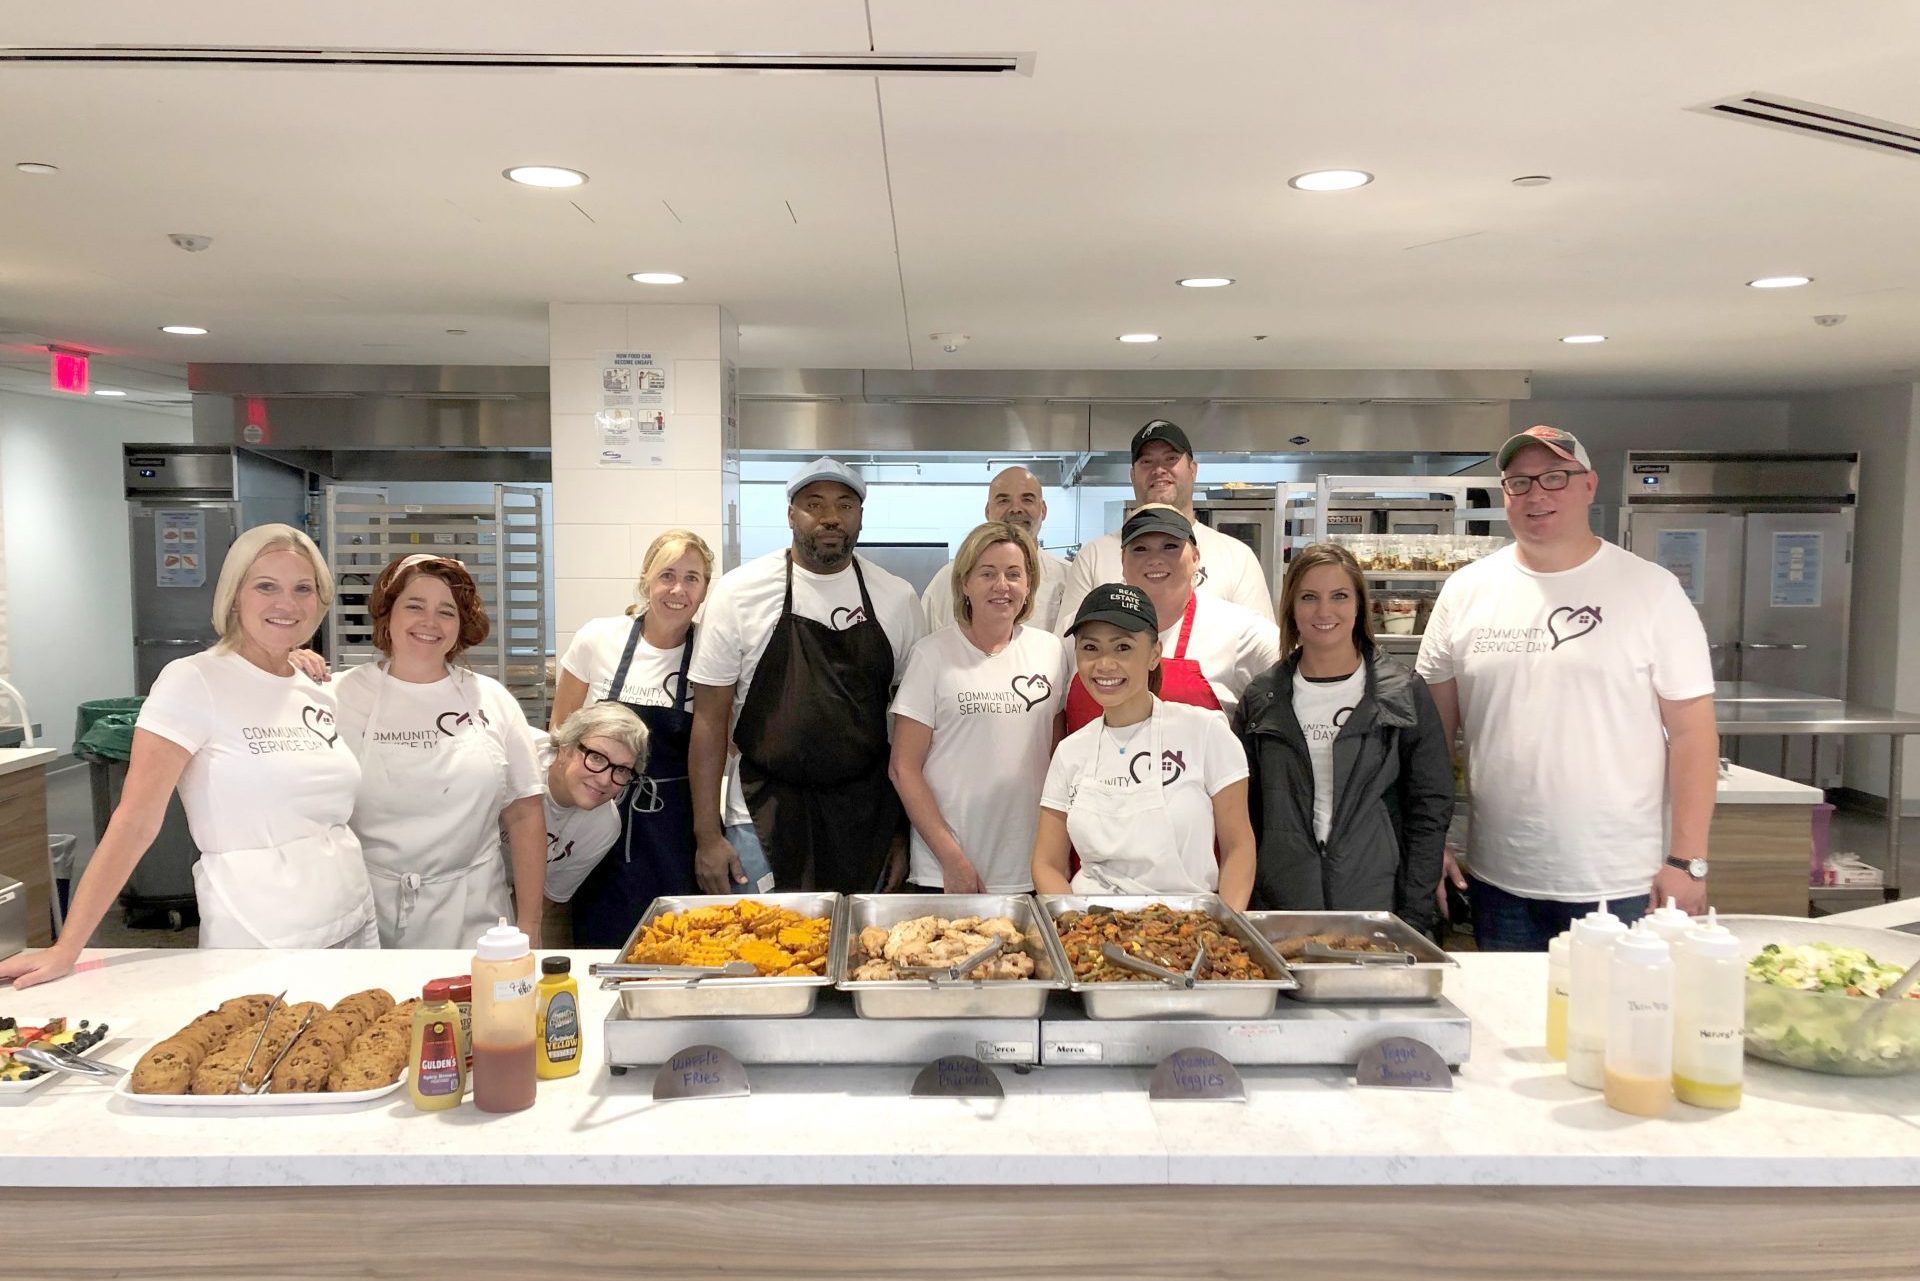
(861, 218)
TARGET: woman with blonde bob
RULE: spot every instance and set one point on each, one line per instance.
(975, 721)
(641, 660)
(253, 745)
(447, 760)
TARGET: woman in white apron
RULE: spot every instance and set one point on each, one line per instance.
(447, 760)
(254, 748)
(1150, 796)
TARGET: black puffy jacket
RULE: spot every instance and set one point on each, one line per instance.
(1393, 798)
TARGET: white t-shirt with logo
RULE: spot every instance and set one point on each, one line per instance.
(268, 766)
(653, 677)
(1231, 643)
(992, 721)
(744, 606)
(1228, 569)
(1322, 707)
(577, 839)
(1200, 756)
(937, 600)
(1560, 678)
(412, 718)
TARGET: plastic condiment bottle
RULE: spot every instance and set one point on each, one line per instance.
(1709, 1016)
(556, 1023)
(503, 1077)
(463, 997)
(1639, 1053)
(437, 1071)
(1667, 923)
(1559, 983)
(1589, 952)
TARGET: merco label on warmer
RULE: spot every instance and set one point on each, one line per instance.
(1071, 1052)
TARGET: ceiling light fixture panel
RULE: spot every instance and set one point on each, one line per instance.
(37, 167)
(1779, 282)
(549, 176)
(657, 278)
(1205, 282)
(1330, 180)
(1584, 338)
(186, 331)
(1139, 337)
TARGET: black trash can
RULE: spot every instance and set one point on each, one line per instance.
(159, 894)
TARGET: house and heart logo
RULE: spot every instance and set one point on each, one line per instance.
(1571, 622)
(450, 723)
(1172, 765)
(1033, 690)
(842, 617)
(674, 686)
(319, 722)
(1200, 576)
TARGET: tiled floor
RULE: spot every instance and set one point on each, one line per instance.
(70, 809)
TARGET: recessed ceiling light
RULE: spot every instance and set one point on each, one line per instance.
(1207, 282)
(657, 278)
(544, 176)
(1139, 337)
(1584, 338)
(107, 391)
(1330, 180)
(1779, 282)
(1532, 180)
(36, 167)
(191, 331)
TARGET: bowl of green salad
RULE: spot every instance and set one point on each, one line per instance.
(1812, 989)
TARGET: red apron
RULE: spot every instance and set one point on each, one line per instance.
(1181, 680)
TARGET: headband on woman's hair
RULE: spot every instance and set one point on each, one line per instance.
(421, 558)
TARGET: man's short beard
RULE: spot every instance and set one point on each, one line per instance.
(809, 545)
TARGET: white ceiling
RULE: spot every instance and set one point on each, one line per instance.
(358, 215)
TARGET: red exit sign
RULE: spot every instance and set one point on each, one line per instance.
(70, 372)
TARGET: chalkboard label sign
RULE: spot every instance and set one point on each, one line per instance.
(1401, 1063)
(957, 1076)
(701, 1072)
(1195, 1073)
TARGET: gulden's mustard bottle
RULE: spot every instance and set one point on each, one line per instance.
(437, 1067)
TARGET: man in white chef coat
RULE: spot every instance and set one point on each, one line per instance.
(1015, 497)
(1163, 472)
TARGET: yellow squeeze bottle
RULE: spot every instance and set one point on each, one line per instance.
(556, 1021)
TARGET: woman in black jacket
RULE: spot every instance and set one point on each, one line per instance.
(1352, 783)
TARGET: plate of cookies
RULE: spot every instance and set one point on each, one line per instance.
(351, 1051)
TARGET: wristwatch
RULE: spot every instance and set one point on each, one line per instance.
(1694, 867)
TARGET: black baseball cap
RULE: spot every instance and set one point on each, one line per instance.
(1125, 607)
(1162, 430)
(1156, 518)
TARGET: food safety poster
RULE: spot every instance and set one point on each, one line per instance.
(1796, 570)
(1683, 553)
(632, 420)
(179, 543)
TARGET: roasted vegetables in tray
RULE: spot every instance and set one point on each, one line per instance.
(1159, 934)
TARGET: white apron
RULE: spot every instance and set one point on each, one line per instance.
(1124, 835)
(430, 825)
(309, 893)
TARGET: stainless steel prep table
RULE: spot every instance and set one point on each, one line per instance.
(1746, 709)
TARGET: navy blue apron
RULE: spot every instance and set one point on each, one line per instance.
(654, 854)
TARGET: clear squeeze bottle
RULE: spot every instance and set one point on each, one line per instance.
(1668, 923)
(1709, 1016)
(1590, 951)
(1639, 1054)
(437, 1067)
(503, 1078)
(1559, 983)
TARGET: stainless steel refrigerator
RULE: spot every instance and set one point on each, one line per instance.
(1763, 544)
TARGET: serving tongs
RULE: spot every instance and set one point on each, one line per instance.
(58, 1058)
(266, 1024)
(936, 974)
(1117, 955)
(613, 974)
(1323, 952)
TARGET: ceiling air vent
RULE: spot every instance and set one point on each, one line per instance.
(1819, 121)
(860, 63)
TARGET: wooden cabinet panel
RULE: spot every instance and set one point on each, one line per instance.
(23, 846)
(1760, 855)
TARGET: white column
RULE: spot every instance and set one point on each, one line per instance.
(605, 515)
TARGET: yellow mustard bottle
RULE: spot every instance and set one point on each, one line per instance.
(437, 1068)
(556, 1020)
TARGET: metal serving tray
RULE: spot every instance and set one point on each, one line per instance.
(1363, 981)
(693, 998)
(919, 998)
(1220, 999)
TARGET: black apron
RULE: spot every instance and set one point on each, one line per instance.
(654, 854)
(813, 747)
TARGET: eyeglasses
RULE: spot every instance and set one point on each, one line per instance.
(1548, 480)
(599, 764)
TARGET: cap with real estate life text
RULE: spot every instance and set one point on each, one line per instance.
(1161, 430)
(827, 469)
(1564, 444)
(1123, 606)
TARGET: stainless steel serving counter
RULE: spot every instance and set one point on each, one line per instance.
(1746, 709)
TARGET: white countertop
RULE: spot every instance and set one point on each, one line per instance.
(1742, 786)
(1513, 1118)
(18, 758)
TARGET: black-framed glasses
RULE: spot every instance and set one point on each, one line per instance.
(598, 763)
(1547, 480)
